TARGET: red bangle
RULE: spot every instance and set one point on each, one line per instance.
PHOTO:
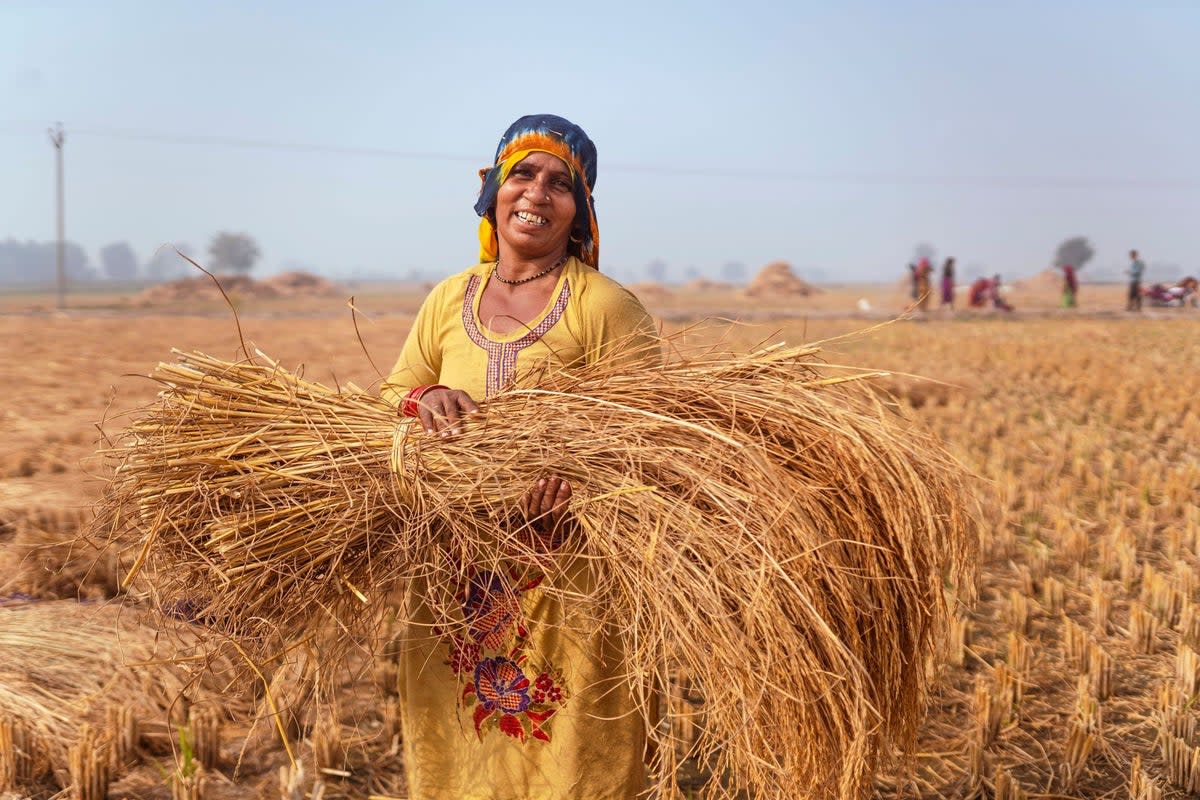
(410, 404)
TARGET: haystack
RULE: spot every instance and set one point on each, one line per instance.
(1048, 281)
(301, 284)
(768, 531)
(203, 288)
(651, 292)
(102, 672)
(777, 280)
(44, 558)
(706, 285)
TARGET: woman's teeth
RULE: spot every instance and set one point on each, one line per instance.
(532, 219)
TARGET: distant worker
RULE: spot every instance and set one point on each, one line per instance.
(1070, 286)
(998, 301)
(1136, 270)
(924, 284)
(979, 293)
(948, 284)
(912, 282)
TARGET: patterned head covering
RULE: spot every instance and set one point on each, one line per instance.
(544, 133)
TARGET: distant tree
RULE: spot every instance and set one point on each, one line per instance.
(119, 261)
(15, 262)
(234, 252)
(75, 261)
(733, 271)
(36, 262)
(166, 264)
(690, 273)
(1075, 251)
(657, 270)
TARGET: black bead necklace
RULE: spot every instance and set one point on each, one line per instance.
(546, 271)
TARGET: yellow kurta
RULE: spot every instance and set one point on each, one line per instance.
(528, 700)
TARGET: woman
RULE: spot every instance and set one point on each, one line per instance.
(1070, 286)
(527, 699)
(924, 283)
(948, 284)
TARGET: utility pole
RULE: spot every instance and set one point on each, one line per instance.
(56, 139)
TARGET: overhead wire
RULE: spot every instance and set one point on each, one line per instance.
(732, 173)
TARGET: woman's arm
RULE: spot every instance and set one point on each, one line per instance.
(420, 360)
(413, 385)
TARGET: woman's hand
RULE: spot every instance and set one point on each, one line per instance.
(545, 504)
(442, 411)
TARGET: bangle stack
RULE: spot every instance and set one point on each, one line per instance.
(411, 403)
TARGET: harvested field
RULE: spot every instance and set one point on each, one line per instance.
(1076, 675)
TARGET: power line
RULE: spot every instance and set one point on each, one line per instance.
(269, 144)
(754, 174)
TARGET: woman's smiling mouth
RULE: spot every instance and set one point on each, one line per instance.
(532, 219)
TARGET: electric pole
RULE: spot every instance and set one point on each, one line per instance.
(56, 139)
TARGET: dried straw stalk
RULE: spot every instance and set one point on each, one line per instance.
(64, 664)
(775, 534)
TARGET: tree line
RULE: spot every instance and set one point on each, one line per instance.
(36, 262)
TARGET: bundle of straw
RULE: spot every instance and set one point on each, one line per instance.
(64, 665)
(774, 534)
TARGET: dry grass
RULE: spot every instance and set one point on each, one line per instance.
(1082, 427)
(1085, 432)
(66, 666)
(767, 529)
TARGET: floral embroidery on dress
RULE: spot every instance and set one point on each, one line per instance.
(495, 653)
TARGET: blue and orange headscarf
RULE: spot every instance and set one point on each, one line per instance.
(544, 133)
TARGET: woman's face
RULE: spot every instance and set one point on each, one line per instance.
(535, 207)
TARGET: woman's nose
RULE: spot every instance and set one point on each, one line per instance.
(538, 190)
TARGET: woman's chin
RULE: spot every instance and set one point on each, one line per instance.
(532, 244)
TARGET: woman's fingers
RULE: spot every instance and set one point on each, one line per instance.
(459, 404)
(426, 415)
(449, 419)
(546, 501)
(465, 403)
(442, 410)
(555, 497)
(526, 500)
(531, 501)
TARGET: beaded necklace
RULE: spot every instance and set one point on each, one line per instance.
(546, 271)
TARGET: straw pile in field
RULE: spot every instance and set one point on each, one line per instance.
(703, 284)
(651, 292)
(65, 664)
(204, 288)
(771, 533)
(777, 280)
(43, 556)
(1048, 281)
(301, 284)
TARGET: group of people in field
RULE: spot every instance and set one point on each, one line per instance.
(982, 293)
(988, 292)
(1158, 294)
(1070, 286)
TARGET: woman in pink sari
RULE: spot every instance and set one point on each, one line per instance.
(948, 284)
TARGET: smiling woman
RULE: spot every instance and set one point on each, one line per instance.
(525, 695)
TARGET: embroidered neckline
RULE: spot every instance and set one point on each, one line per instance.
(481, 282)
(502, 354)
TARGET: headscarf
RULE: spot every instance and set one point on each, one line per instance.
(544, 133)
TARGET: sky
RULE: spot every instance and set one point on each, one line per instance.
(346, 137)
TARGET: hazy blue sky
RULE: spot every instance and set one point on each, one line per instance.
(834, 136)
